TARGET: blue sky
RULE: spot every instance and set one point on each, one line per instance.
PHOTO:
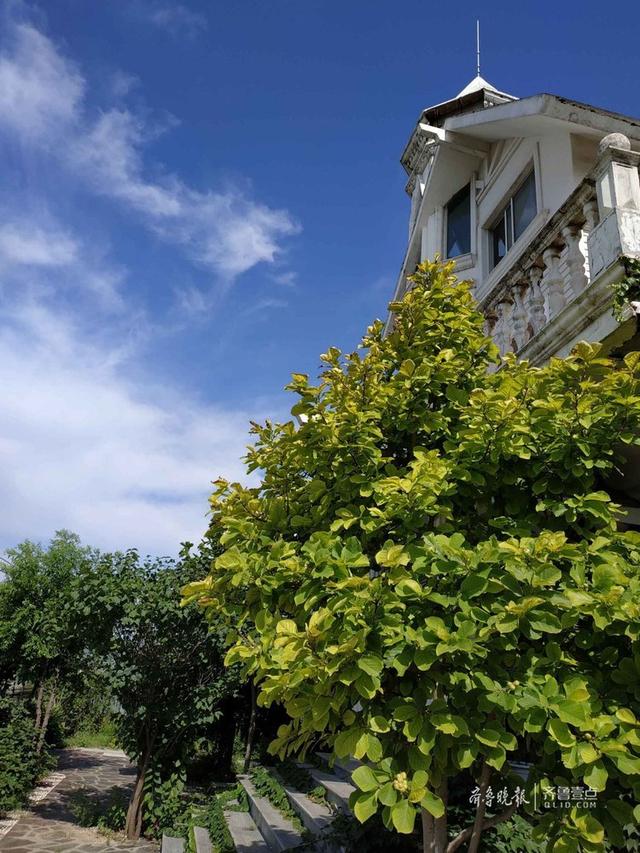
(198, 199)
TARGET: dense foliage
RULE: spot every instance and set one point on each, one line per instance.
(104, 654)
(430, 575)
(166, 673)
(57, 606)
(20, 765)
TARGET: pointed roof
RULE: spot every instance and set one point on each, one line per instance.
(478, 94)
(476, 85)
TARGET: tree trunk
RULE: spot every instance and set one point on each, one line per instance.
(227, 735)
(251, 731)
(39, 698)
(440, 823)
(45, 721)
(133, 823)
(428, 835)
(476, 832)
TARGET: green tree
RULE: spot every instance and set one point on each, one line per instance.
(430, 576)
(167, 674)
(55, 612)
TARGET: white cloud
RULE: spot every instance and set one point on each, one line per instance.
(83, 447)
(89, 438)
(42, 103)
(177, 19)
(263, 305)
(120, 83)
(38, 254)
(23, 244)
(40, 91)
(288, 278)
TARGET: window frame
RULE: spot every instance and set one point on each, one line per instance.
(466, 188)
(506, 216)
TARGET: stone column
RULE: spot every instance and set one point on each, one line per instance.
(590, 212)
(617, 235)
(574, 259)
(617, 179)
(534, 301)
(519, 314)
(552, 283)
(504, 327)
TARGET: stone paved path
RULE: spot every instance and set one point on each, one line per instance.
(49, 826)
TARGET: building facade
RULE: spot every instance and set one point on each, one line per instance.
(538, 202)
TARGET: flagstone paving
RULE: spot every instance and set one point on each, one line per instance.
(50, 827)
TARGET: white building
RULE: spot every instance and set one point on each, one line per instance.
(538, 201)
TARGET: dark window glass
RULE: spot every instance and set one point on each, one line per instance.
(524, 206)
(459, 223)
(499, 241)
(519, 212)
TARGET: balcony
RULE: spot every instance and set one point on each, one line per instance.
(559, 290)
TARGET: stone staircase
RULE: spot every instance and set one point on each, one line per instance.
(265, 830)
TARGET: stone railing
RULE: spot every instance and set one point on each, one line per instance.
(552, 291)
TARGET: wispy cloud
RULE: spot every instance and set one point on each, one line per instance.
(42, 102)
(91, 438)
(262, 306)
(24, 244)
(288, 278)
(176, 19)
(40, 91)
(123, 463)
(39, 255)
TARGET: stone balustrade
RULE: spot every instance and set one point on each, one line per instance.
(555, 279)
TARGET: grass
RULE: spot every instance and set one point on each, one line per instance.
(268, 786)
(302, 781)
(102, 738)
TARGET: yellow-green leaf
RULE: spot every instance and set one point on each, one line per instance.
(403, 816)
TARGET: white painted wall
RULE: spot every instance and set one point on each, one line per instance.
(560, 159)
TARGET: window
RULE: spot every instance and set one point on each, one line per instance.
(514, 218)
(459, 223)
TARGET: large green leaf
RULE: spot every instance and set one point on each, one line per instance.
(433, 804)
(364, 778)
(365, 805)
(596, 776)
(371, 664)
(561, 733)
(403, 815)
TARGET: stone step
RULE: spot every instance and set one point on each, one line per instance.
(201, 840)
(245, 834)
(316, 817)
(337, 788)
(277, 831)
(342, 767)
(172, 845)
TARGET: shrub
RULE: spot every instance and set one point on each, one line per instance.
(214, 821)
(268, 787)
(20, 765)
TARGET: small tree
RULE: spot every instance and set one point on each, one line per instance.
(430, 575)
(166, 671)
(56, 608)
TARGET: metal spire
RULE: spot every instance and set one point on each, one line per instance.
(478, 47)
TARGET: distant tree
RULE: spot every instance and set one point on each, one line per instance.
(166, 671)
(55, 612)
(430, 575)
